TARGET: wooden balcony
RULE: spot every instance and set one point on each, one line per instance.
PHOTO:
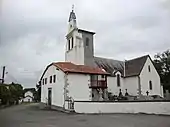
(98, 84)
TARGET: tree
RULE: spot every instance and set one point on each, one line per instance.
(162, 64)
(4, 94)
(16, 91)
(11, 93)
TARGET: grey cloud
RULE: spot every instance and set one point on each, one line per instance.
(33, 32)
(144, 22)
(165, 4)
(12, 31)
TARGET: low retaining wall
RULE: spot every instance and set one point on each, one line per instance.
(54, 107)
(122, 107)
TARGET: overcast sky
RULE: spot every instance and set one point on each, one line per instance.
(33, 31)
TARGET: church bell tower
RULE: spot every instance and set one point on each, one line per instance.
(79, 45)
(72, 20)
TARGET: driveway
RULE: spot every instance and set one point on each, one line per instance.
(31, 116)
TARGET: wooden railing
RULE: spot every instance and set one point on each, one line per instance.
(98, 84)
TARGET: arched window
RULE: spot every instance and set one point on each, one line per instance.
(45, 80)
(50, 79)
(118, 80)
(149, 68)
(87, 41)
(54, 78)
(150, 85)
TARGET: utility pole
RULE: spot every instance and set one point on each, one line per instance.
(3, 74)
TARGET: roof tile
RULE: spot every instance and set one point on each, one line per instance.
(73, 68)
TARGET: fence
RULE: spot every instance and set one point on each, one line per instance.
(150, 107)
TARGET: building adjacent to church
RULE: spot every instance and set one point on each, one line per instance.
(29, 94)
(85, 77)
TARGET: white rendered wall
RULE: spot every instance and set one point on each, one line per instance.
(162, 91)
(43, 94)
(27, 99)
(58, 91)
(57, 87)
(112, 85)
(146, 76)
(76, 54)
(123, 107)
(44, 88)
(131, 84)
(78, 87)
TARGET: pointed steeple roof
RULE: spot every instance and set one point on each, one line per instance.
(72, 15)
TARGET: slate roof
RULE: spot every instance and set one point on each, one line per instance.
(72, 16)
(109, 65)
(73, 68)
(132, 67)
(29, 89)
(85, 31)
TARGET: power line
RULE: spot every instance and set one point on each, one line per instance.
(13, 77)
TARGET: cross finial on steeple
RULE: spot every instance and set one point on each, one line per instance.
(73, 8)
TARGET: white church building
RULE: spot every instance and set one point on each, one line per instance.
(85, 77)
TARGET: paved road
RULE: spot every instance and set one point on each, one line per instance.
(32, 116)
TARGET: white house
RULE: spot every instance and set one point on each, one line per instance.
(64, 80)
(28, 96)
(84, 77)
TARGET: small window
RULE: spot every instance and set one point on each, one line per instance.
(50, 79)
(150, 85)
(149, 68)
(87, 41)
(69, 45)
(72, 40)
(45, 80)
(54, 78)
(118, 80)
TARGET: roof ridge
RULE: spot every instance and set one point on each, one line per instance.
(108, 58)
(137, 58)
(61, 62)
